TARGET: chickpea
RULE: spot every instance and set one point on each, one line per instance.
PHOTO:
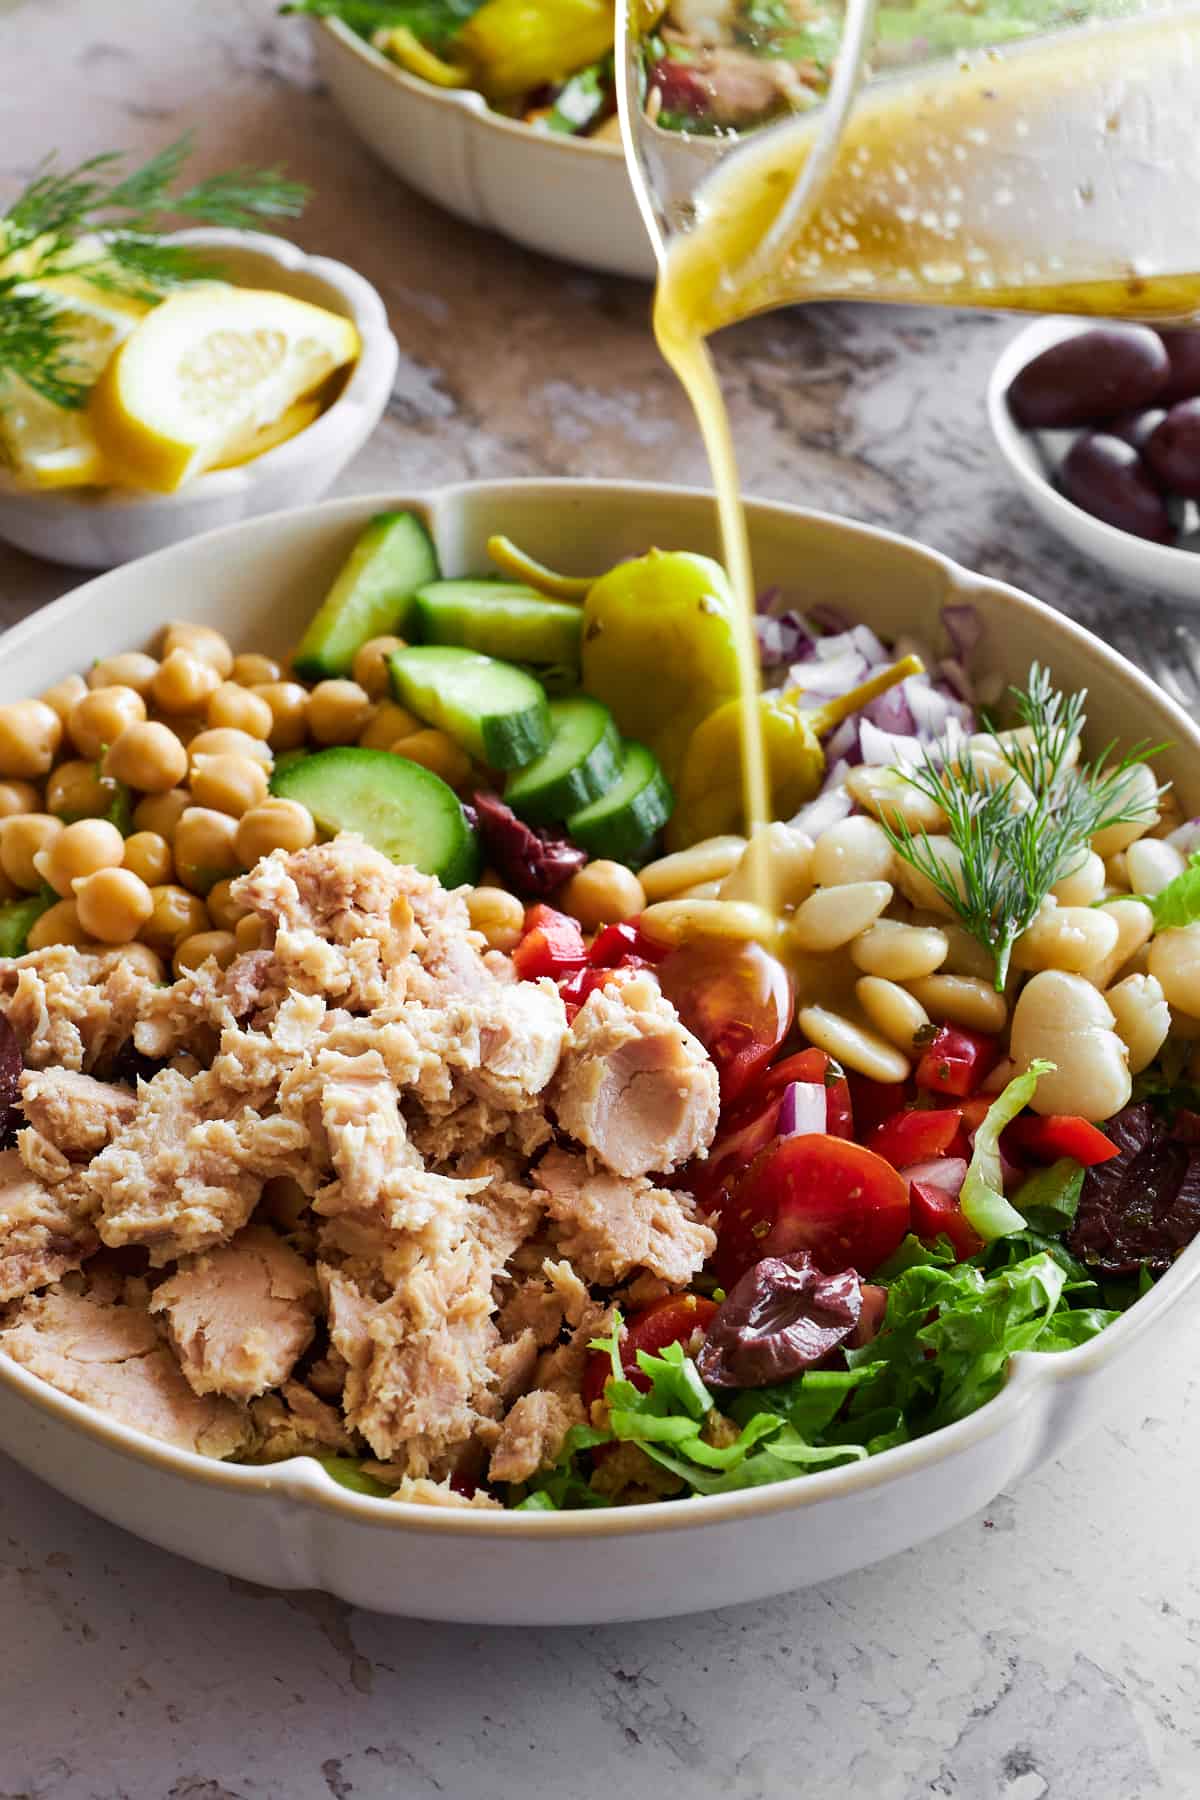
(435, 751)
(389, 723)
(98, 719)
(223, 909)
(371, 666)
(249, 933)
(202, 642)
(1063, 1018)
(229, 784)
(197, 949)
(17, 797)
(30, 733)
(59, 924)
(1175, 963)
(183, 683)
(113, 905)
(603, 893)
(149, 856)
(148, 756)
(252, 670)
(338, 711)
(176, 915)
(161, 813)
(62, 696)
(275, 825)
(143, 961)
(222, 740)
(205, 848)
(288, 702)
(238, 709)
(131, 668)
(1139, 796)
(498, 915)
(855, 850)
(79, 850)
(1142, 1018)
(76, 790)
(21, 839)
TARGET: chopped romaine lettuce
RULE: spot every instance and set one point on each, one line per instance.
(984, 1206)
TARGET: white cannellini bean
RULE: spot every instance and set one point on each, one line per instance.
(1151, 864)
(1020, 737)
(965, 955)
(710, 860)
(1001, 1075)
(851, 1045)
(1063, 1018)
(899, 952)
(1075, 938)
(1116, 871)
(832, 916)
(1142, 1018)
(888, 796)
(670, 921)
(961, 1000)
(1083, 882)
(703, 890)
(1175, 962)
(855, 850)
(918, 888)
(778, 856)
(1135, 927)
(891, 1009)
(1139, 796)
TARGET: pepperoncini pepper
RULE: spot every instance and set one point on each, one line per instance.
(709, 784)
(513, 46)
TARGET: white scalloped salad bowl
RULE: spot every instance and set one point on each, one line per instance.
(290, 1525)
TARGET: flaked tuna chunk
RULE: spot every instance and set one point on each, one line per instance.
(531, 1437)
(295, 1422)
(44, 1231)
(502, 1044)
(108, 1354)
(609, 1225)
(77, 1114)
(239, 1317)
(74, 1008)
(368, 1143)
(634, 1085)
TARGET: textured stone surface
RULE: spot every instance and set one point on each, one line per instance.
(1046, 1649)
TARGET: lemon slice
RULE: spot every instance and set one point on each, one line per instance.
(202, 371)
(296, 419)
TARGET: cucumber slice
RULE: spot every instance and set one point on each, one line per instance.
(372, 597)
(400, 807)
(497, 712)
(583, 761)
(501, 618)
(623, 824)
(17, 919)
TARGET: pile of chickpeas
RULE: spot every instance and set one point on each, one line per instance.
(193, 733)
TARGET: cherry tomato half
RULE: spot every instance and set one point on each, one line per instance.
(875, 1101)
(814, 1066)
(1058, 1134)
(917, 1135)
(956, 1061)
(671, 1320)
(839, 1201)
(736, 999)
(938, 1214)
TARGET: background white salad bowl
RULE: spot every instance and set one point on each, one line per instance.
(95, 528)
(567, 197)
(291, 1525)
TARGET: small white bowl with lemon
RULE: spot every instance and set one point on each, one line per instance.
(226, 399)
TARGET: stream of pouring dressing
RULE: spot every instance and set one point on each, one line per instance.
(1015, 179)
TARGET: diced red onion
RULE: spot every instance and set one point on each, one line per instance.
(828, 680)
(767, 599)
(829, 808)
(842, 745)
(945, 1173)
(930, 710)
(843, 643)
(964, 628)
(782, 638)
(804, 1108)
(893, 711)
(951, 675)
(1185, 838)
(869, 646)
(885, 749)
(835, 776)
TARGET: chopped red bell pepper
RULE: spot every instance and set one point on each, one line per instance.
(1056, 1135)
(552, 945)
(938, 1214)
(625, 945)
(916, 1136)
(957, 1061)
(875, 1101)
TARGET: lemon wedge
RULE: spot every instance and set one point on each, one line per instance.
(296, 419)
(204, 370)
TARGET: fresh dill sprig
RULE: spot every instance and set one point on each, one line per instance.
(39, 238)
(1021, 814)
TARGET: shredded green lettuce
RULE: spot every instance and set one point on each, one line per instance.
(1049, 1198)
(1177, 904)
(982, 1199)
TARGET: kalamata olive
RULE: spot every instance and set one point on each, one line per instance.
(1104, 475)
(1093, 376)
(1183, 350)
(1136, 427)
(11, 1065)
(1172, 451)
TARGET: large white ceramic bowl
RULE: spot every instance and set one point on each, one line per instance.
(96, 528)
(1159, 566)
(290, 1525)
(568, 197)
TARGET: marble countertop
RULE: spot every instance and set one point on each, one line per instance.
(1044, 1651)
